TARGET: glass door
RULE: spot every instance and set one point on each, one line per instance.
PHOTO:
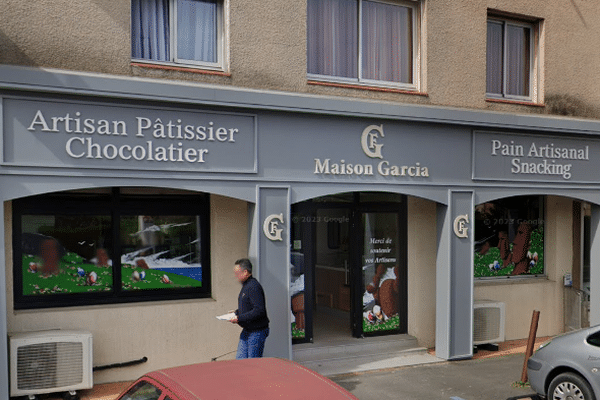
(348, 266)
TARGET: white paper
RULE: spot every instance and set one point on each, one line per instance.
(226, 317)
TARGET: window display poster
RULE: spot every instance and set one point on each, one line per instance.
(380, 272)
(509, 238)
(297, 293)
(63, 254)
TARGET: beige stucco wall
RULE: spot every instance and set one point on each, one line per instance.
(266, 48)
(523, 296)
(168, 333)
(422, 250)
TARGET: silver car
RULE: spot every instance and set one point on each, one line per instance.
(568, 366)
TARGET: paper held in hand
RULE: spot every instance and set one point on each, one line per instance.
(226, 317)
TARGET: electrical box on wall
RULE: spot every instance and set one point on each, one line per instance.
(50, 361)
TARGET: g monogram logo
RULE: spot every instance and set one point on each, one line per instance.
(270, 227)
(368, 141)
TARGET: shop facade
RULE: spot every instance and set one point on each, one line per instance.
(127, 201)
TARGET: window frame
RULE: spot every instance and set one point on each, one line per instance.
(416, 7)
(114, 204)
(533, 46)
(220, 40)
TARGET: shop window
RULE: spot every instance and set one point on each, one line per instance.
(178, 31)
(363, 41)
(509, 237)
(117, 246)
(511, 52)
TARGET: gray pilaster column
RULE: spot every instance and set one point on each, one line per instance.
(4, 367)
(271, 235)
(454, 277)
(595, 266)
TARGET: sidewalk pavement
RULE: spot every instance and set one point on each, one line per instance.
(492, 378)
(509, 347)
(109, 391)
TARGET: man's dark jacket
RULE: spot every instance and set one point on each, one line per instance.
(252, 309)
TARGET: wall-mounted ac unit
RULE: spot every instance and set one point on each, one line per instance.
(49, 362)
(488, 322)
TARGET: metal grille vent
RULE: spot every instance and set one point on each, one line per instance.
(488, 322)
(49, 365)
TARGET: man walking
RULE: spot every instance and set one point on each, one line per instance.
(251, 314)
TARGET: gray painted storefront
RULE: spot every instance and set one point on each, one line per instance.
(63, 130)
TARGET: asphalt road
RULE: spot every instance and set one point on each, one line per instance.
(482, 379)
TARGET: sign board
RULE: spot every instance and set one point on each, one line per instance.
(53, 133)
(516, 157)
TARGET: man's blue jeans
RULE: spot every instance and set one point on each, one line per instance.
(252, 344)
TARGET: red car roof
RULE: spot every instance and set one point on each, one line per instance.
(255, 378)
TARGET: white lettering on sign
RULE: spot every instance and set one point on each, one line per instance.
(78, 147)
(540, 159)
(373, 149)
(341, 168)
(83, 146)
(88, 126)
(171, 130)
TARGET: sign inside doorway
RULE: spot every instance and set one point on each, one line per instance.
(380, 272)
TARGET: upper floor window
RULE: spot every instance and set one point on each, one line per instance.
(365, 41)
(510, 59)
(178, 31)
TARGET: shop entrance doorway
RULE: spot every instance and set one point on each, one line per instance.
(348, 266)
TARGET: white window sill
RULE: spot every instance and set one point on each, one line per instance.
(514, 101)
(364, 86)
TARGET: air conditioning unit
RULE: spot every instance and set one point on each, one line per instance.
(488, 322)
(49, 362)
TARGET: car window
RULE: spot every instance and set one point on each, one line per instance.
(594, 339)
(142, 391)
